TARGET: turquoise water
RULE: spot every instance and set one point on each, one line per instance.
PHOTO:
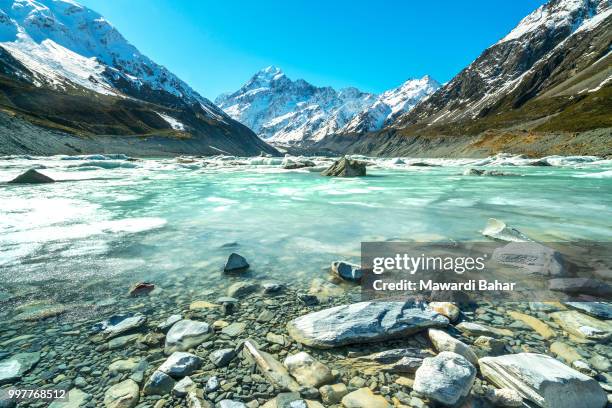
(120, 220)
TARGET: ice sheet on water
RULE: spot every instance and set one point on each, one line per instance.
(104, 164)
(96, 157)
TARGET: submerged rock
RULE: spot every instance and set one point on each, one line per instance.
(445, 378)
(236, 263)
(119, 324)
(347, 271)
(141, 289)
(159, 383)
(346, 168)
(12, 368)
(361, 323)
(183, 387)
(241, 289)
(602, 310)
(504, 397)
(333, 394)
(476, 329)
(539, 326)
(447, 309)
(583, 326)
(169, 322)
(498, 230)
(364, 398)
(581, 286)
(186, 334)
(443, 341)
(543, 380)
(532, 257)
(222, 357)
(403, 360)
(181, 364)
(308, 371)
(479, 172)
(32, 177)
(272, 369)
(122, 395)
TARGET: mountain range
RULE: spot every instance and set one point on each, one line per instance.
(66, 70)
(71, 83)
(283, 111)
(545, 88)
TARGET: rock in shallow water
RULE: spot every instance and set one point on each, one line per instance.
(361, 323)
(119, 324)
(122, 395)
(543, 380)
(603, 310)
(308, 371)
(346, 168)
(12, 368)
(159, 383)
(235, 264)
(498, 230)
(32, 177)
(347, 271)
(221, 358)
(364, 398)
(332, 394)
(445, 378)
(271, 368)
(583, 326)
(443, 341)
(186, 334)
(180, 364)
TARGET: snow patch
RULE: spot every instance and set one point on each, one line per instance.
(174, 123)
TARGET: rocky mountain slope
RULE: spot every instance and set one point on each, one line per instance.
(64, 67)
(552, 74)
(284, 111)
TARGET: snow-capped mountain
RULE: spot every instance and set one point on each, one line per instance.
(392, 103)
(548, 47)
(281, 110)
(61, 46)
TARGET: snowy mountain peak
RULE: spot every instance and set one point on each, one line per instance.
(283, 111)
(557, 14)
(64, 43)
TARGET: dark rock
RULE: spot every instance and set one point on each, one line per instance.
(141, 289)
(159, 384)
(32, 177)
(221, 358)
(236, 263)
(308, 299)
(346, 168)
(347, 271)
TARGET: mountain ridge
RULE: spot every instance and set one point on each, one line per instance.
(61, 52)
(282, 110)
(548, 79)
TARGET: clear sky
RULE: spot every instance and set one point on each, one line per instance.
(216, 46)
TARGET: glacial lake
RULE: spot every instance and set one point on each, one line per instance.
(113, 221)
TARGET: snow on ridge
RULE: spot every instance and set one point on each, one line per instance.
(556, 14)
(281, 110)
(27, 25)
(173, 122)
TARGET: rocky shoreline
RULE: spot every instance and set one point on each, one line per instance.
(251, 343)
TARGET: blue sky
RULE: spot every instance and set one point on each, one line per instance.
(216, 46)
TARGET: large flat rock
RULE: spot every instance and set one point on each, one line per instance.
(362, 323)
(582, 325)
(543, 380)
